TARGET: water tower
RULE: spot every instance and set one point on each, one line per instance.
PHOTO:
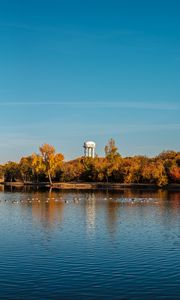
(89, 149)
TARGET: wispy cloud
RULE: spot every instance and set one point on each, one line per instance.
(35, 133)
(121, 129)
(99, 104)
(74, 30)
(27, 27)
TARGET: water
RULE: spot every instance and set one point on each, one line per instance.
(89, 245)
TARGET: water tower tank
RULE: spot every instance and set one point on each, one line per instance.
(89, 148)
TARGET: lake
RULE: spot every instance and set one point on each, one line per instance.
(89, 244)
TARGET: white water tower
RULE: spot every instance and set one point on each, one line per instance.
(89, 149)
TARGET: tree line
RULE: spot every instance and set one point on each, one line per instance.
(49, 166)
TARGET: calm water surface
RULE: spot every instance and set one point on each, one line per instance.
(89, 245)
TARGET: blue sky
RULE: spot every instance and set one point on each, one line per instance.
(77, 70)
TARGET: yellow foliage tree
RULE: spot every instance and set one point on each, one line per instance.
(38, 166)
(50, 161)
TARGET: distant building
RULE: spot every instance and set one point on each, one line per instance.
(89, 149)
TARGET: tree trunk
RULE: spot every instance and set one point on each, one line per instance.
(50, 180)
(106, 178)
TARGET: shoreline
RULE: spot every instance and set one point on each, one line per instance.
(94, 185)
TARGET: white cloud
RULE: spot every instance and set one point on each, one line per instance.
(99, 104)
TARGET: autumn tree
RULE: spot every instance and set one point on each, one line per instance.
(25, 167)
(37, 165)
(1, 173)
(11, 171)
(98, 169)
(160, 170)
(72, 170)
(154, 172)
(55, 165)
(50, 161)
(167, 155)
(112, 160)
(111, 150)
(171, 161)
(87, 173)
(175, 173)
(129, 170)
(173, 168)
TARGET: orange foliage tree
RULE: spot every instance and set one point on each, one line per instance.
(160, 170)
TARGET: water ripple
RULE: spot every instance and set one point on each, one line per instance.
(90, 245)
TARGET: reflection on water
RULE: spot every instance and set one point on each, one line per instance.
(89, 244)
(90, 207)
(47, 208)
(47, 213)
(1, 188)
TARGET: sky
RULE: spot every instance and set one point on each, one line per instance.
(72, 71)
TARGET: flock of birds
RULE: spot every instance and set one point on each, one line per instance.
(138, 200)
(77, 200)
(38, 200)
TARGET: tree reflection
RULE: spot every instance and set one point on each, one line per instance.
(99, 210)
(47, 209)
(1, 188)
(90, 208)
(112, 214)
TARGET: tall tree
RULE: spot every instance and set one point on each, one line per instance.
(113, 159)
(51, 161)
(111, 150)
(38, 166)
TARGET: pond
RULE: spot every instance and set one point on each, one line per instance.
(89, 244)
